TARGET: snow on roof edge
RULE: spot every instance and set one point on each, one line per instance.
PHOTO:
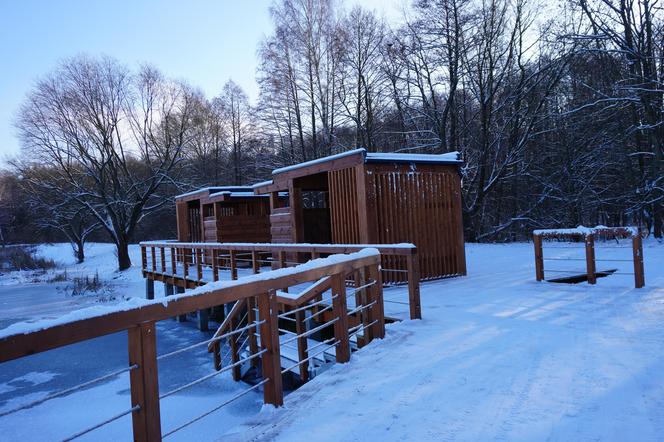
(318, 161)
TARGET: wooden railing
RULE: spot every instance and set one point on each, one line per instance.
(589, 236)
(140, 324)
(185, 264)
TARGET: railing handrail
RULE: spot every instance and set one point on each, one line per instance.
(391, 249)
(23, 343)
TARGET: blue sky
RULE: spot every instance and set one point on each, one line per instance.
(205, 42)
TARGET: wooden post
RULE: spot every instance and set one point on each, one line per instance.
(185, 263)
(203, 318)
(251, 318)
(215, 268)
(590, 259)
(144, 260)
(255, 262)
(163, 260)
(174, 267)
(271, 359)
(413, 266)
(149, 288)
(233, 260)
(341, 313)
(637, 250)
(142, 344)
(282, 259)
(377, 312)
(235, 351)
(154, 259)
(302, 345)
(181, 318)
(539, 258)
(199, 264)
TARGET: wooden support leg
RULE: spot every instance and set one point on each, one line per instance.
(413, 264)
(181, 318)
(539, 258)
(377, 312)
(590, 259)
(302, 345)
(271, 359)
(341, 313)
(639, 274)
(144, 382)
(202, 318)
(149, 288)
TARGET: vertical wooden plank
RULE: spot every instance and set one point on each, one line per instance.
(297, 220)
(233, 260)
(174, 269)
(539, 258)
(144, 382)
(459, 231)
(590, 259)
(185, 263)
(235, 351)
(199, 264)
(302, 344)
(271, 360)
(253, 340)
(153, 259)
(215, 265)
(368, 179)
(282, 259)
(637, 251)
(376, 294)
(341, 312)
(255, 262)
(144, 260)
(162, 260)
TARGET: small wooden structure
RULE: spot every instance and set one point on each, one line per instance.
(223, 214)
(588, 236)
(374, 198)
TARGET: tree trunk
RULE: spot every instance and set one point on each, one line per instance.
(124, 262)
(80, 252)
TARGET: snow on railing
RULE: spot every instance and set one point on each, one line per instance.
(589, 235)
(140, 322)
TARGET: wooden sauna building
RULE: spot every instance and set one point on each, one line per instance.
(223, 214)
(374, 198)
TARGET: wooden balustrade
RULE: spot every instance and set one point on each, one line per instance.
(214, 255)
(140, 324)
(588, 236)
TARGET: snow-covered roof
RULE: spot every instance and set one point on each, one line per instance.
(374, 157)
(318, 161)
(451, 157)
(217, 189)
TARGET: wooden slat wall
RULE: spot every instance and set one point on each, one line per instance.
(280, 225)
(421, 205)
(244, 228)
(343, 206)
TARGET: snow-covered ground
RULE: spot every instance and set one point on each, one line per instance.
(497, 356)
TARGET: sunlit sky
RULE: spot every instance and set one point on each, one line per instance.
(205, 42)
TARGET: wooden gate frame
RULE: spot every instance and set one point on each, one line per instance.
(588, 235)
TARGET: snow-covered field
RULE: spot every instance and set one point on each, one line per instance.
(497, 356)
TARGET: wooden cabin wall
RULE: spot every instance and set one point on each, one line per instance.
(182, 219)
(419, 204)
(247, 221)
(344, 215)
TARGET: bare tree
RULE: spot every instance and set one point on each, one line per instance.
(112, 137)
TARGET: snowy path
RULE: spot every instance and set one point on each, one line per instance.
(498, 357)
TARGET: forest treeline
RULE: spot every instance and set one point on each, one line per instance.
(556, 110)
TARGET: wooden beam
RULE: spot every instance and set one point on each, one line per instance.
(271, 359)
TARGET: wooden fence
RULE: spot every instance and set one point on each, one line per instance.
(182, 264)
(589, 236)
(140, 324)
